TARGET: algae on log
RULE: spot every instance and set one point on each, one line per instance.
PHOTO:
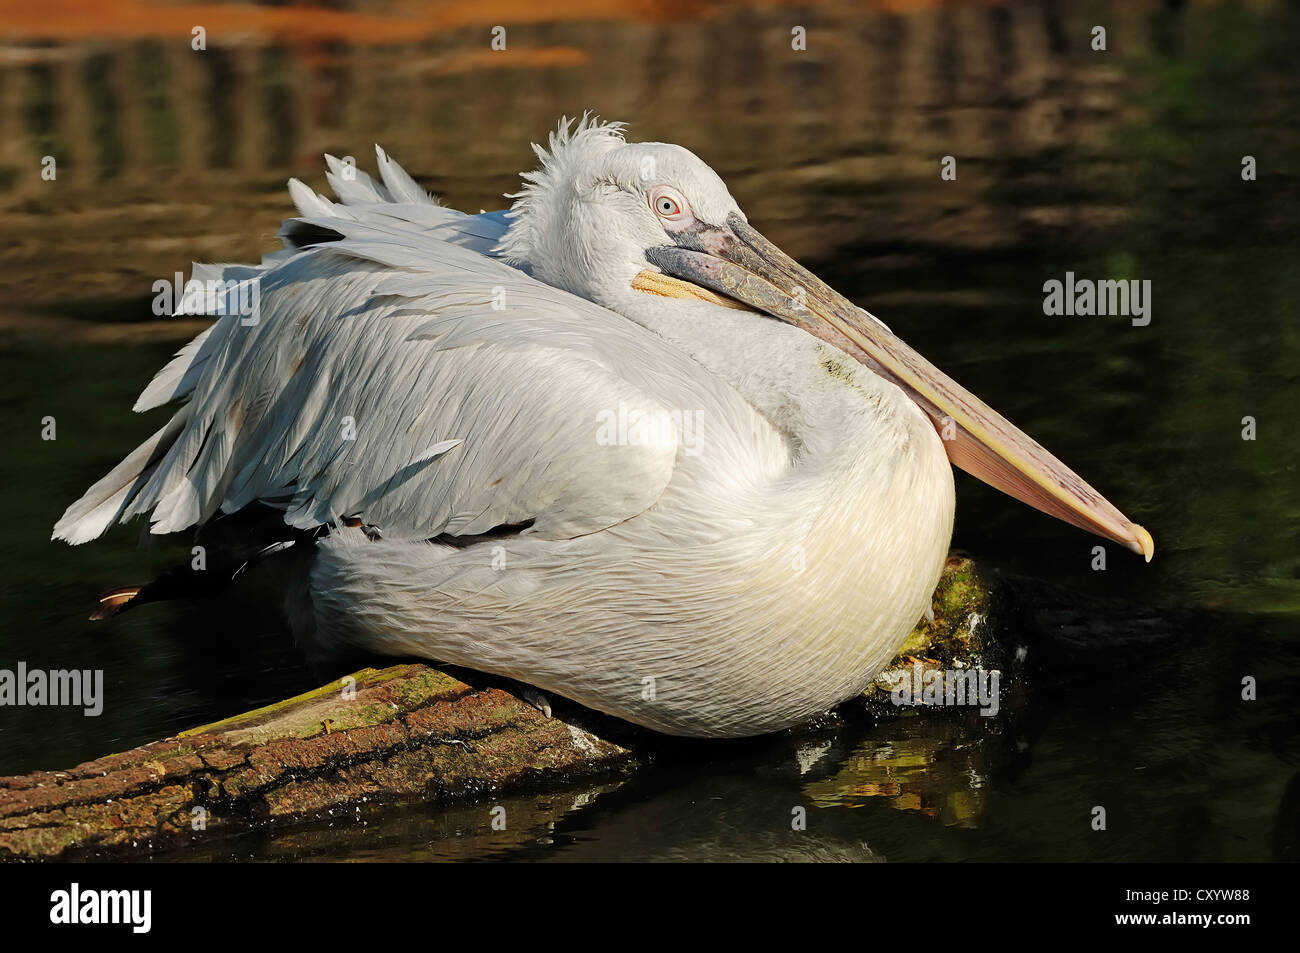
(408, 731)
(959, 633)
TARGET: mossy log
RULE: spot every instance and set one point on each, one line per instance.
(408, 732)
(404, 733)
(958, 633)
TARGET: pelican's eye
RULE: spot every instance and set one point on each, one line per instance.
(667, 203)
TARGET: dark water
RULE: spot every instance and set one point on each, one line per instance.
(1117, 165)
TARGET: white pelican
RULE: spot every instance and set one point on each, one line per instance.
(611, 443)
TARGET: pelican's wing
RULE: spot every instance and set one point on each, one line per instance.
(382, 368)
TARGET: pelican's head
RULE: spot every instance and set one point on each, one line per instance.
(585, 219)
(603, 216)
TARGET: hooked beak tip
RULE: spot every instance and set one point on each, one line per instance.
(1142, 543)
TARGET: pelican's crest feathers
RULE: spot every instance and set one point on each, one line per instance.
(538, 203)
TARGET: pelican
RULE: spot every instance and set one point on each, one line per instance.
(611, 443)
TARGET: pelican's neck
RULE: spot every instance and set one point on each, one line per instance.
(822, 400)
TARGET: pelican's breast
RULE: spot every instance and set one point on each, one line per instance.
(839, 563)
(779, 572)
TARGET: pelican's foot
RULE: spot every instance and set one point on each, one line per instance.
(372, 532)
(537, 700)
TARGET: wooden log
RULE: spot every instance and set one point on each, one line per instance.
(405, 732)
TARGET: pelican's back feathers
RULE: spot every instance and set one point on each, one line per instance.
(390, 368)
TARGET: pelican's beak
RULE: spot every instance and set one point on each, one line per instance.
(737, 261)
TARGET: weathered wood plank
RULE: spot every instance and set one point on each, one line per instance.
(405, 732)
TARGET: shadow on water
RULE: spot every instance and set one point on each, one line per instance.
(1123, 165)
